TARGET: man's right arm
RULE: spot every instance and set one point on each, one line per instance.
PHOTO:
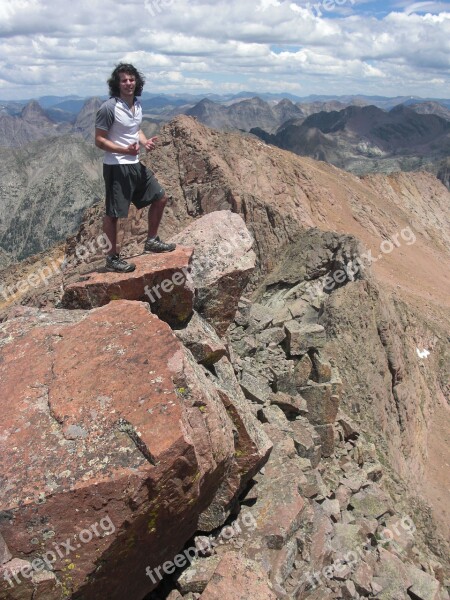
(104, 120)
(102, 142)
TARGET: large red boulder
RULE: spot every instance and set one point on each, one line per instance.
(162, 280)
(113, 442)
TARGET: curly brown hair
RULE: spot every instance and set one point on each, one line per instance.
(114, 80)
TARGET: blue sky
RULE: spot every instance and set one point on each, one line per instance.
(202, 46)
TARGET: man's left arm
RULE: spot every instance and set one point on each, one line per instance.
(150, 143)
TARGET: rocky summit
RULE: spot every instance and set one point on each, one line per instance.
(261, 414)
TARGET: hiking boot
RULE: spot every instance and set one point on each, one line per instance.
(156, 245)
(117, 264)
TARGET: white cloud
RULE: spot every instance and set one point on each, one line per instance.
(56, 46)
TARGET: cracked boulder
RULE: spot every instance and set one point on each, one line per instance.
(110, 451)
(221, 266)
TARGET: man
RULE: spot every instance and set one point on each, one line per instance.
(118, 132)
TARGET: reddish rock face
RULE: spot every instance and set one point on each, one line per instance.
(113, 442)
(161, 280)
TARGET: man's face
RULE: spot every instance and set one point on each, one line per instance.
(127, 83)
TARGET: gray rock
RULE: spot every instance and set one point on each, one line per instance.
(322, 406)
(302, 371)
(292, 406)
(202, 340)
(195, 578)
(372, 502)
(303, 337)
(5, 554)
(255, 388)
(424, 586)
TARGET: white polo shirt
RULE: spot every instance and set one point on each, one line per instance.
(122, 125)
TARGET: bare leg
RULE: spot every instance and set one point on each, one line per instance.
(155, 213)
(110, 230)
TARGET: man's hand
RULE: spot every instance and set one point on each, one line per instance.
(150, 144)
(133, 149)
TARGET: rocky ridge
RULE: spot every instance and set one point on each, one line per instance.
(206, 171)
(394, 313)
(314, 522)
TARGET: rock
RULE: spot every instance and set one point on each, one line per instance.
(292, 406)
(303, 337)
(246, 346)
(242, 315)
(348, 590)
(221, 266)
(20, 581)
(275, 416)
(392, 576)
(255, 387)
(320, 547)
(302, 371)
(106, 439)
(343, 495)
(372, 502)
(260, 317)
(298, 308)
(278, 518)
(5, 554)
(362, 578)
(202, 340)
(331, 508)
(174, 595)
(336, 382)
(355, 480)
(161, 280)
(349, 428)
(281, 315)
(196, 576)
(326, 435)
(424, 586)
(204, 545)
(322, 369)
(282, 565)
(322, 406)
(252, 447)
(306, 441)
(271, 337)
(368, 526)
(398, 534)
(311, 485)
(238, 578)
(347, 538)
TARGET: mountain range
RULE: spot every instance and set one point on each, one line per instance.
(368, 139)
(54, 163)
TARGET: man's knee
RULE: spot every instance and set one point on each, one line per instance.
(162, 201)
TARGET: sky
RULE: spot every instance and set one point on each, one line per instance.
(332, 47)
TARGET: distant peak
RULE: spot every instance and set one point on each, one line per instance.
(33, 112)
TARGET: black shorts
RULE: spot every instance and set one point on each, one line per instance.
(129, 183)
